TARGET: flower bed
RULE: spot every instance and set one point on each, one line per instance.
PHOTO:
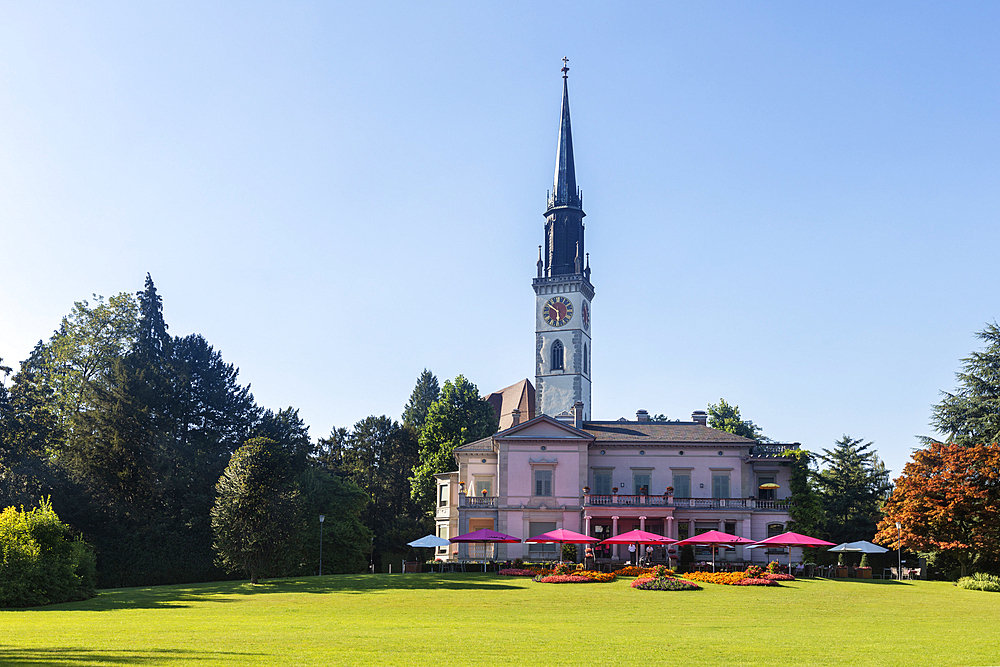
(574, 577)
(754, 576)
(633, 571)
(664, 584)
(753, 581)
(517, 572)
(563, 579)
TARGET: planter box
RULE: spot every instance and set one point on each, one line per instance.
(863, 574)
(842, 573)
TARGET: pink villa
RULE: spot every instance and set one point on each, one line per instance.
(552, 466)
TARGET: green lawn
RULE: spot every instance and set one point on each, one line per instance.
(477, 619)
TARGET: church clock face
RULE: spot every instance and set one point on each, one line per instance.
(557, 311)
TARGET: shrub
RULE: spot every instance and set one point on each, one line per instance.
(664, 584)
(517, 572)
(39, 562)
(981, 581)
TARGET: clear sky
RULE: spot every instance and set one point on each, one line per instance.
(789, 205)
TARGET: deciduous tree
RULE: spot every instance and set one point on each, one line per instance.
(726, 417)
(459, 416)
(948, 501)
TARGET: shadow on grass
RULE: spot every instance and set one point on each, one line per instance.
(877, 582)
(224, 592)
(81, 657)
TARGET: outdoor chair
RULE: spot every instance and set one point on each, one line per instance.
(894, 572)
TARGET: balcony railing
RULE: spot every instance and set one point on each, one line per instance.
(485, 502)
(616, 500)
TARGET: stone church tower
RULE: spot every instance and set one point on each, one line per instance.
(563, 292)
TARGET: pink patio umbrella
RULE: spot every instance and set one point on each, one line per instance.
(791, 539)
(638, 537)
(714, 538)
(562, 536)
(484, 535)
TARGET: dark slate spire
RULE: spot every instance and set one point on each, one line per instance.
(564, 214)
(564, 190)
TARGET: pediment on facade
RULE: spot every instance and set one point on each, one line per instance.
(543, 428)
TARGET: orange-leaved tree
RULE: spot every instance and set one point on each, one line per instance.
(947, 500)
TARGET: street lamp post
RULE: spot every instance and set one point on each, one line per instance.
(322, 518)
(899, 551)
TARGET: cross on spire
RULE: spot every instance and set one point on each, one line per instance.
(565, 67)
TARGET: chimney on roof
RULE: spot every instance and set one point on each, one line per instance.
(700, 417)
(578, 414)
(515, 417)
(642, 416)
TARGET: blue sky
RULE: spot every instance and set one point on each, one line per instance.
(790, 205)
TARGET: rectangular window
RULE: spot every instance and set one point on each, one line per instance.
(483, 486)
(543, 483)
(720, 486)
(731, 527)
(682, 485)
(443, 495)
(640, 482)
(765, 494)
(541, 550)
(442, 532)
(602, 482)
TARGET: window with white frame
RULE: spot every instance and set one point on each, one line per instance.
(442, 532)
(443, 495)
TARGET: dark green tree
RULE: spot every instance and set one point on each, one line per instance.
(379, 456)
(726, 417)
(971, 415)
(347, 542)
(806, 504)
(256, 499)
(459, 416)
(423, 395)
(853, 484)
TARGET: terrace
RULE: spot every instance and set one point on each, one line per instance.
(618, 499)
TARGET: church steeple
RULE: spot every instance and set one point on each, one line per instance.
(563, 293)
(564, 213)
(564, 189)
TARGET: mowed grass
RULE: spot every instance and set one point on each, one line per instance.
(483, 619)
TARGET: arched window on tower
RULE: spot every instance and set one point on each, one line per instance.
(586, 364)
(557, 356)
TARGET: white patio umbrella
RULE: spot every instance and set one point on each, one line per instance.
(861, 546)
(429, 541)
